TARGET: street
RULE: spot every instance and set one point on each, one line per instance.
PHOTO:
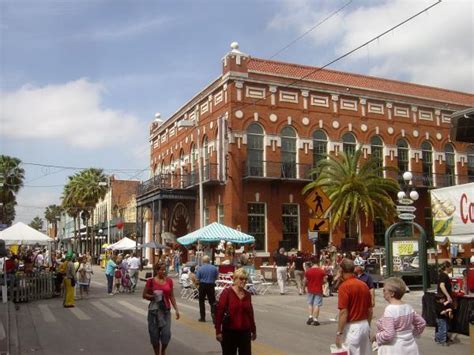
(117, 325)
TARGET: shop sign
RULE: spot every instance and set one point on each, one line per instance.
(407, 216)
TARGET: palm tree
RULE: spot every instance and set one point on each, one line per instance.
(52, 214)
(355, 187)
(82, 192)
(11, 181)
(36, 223)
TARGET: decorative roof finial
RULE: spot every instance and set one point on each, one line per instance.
(234, 45)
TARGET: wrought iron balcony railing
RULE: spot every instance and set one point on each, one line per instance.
(432, 180)
(276, 170)
(179, 181)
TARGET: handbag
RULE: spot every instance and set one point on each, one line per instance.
(73, 282)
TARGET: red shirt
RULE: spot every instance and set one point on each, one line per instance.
(354, 295)
(167, 287)
(240, 311)
(314, 280)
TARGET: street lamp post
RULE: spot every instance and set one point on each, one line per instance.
(188, 123)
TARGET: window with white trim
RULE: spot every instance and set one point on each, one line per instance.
(256, 215)
(290, 224)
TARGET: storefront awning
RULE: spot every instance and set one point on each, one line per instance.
(458, 239)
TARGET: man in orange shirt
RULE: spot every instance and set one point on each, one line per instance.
(355, 312)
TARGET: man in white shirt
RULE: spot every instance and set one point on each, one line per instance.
(133, 269)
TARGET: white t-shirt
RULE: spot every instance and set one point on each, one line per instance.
(134, 263)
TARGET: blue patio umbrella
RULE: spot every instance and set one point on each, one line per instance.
(214, 233)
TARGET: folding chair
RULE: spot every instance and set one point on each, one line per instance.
(261, 285)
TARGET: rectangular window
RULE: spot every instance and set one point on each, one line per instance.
(256, 223)
(376, 108)
(220, 214)
(218, 98)
(256, 93)
(204, 107)
(287, 96)
(348, 105)
(290, 222)
(401, 112)
(425, 115)
(319, 100)
(445, 118)
(427, 165)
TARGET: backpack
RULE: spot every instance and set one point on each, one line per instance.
(118, 274)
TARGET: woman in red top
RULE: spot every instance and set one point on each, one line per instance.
(159, 290)
(234, 320)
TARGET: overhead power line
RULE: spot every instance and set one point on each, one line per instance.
(377, 37)
(312, 29)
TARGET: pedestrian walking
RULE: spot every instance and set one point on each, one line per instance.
(207, 275)
(133, 269)
(315, 278)
(281, 263)
(400, 324)
(363, 276)
(109, 274)
(298, 267)
(355, 312)
(235, 322)
(159, 291)
(177, 262)
(69, 282)
(84, 276)
(444, 312)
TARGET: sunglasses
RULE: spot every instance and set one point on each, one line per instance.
(242, 278)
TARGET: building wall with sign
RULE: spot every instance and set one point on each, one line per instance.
(259, 128)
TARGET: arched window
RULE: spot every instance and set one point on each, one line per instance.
(288, 153)
(320, 146)
(427, 163)
(402, 153)
(376, 148)
(450, 164)
(470, 163)
(348, 143)
(206, 168)
(255, 150)
(194, 157)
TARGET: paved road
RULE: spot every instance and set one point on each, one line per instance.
(117, 325)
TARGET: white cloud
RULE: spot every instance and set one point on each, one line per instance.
(70, 113)
(436, 48)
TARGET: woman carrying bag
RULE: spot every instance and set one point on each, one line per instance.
(159, 290)
(69, 282)
(234, 321)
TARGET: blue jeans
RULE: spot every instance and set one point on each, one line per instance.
(441, 334)
(110, 282)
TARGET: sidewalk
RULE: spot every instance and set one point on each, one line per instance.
(9, 342)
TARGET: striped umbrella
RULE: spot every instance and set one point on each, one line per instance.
(214, 233)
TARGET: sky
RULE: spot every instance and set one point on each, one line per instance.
(81, 81)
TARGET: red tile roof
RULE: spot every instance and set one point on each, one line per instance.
(360, 81)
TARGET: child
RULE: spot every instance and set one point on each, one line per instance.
(118, 278)
(444, 312)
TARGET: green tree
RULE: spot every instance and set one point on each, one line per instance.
(81, 194)
(36, 223)
(11, 181)
(52, 215)
(356, 188)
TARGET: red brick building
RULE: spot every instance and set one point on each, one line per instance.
(263, 124)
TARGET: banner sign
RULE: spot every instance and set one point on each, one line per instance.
(453, 210)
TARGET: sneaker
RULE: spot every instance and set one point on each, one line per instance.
(315, 322)
(309, 321)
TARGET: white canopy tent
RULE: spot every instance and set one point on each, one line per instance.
(123, 244)
(22, 234)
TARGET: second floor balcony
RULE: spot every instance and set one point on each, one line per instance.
(435, 180)
(184, 180)
(276, 170)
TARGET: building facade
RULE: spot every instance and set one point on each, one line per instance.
(262, 125)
